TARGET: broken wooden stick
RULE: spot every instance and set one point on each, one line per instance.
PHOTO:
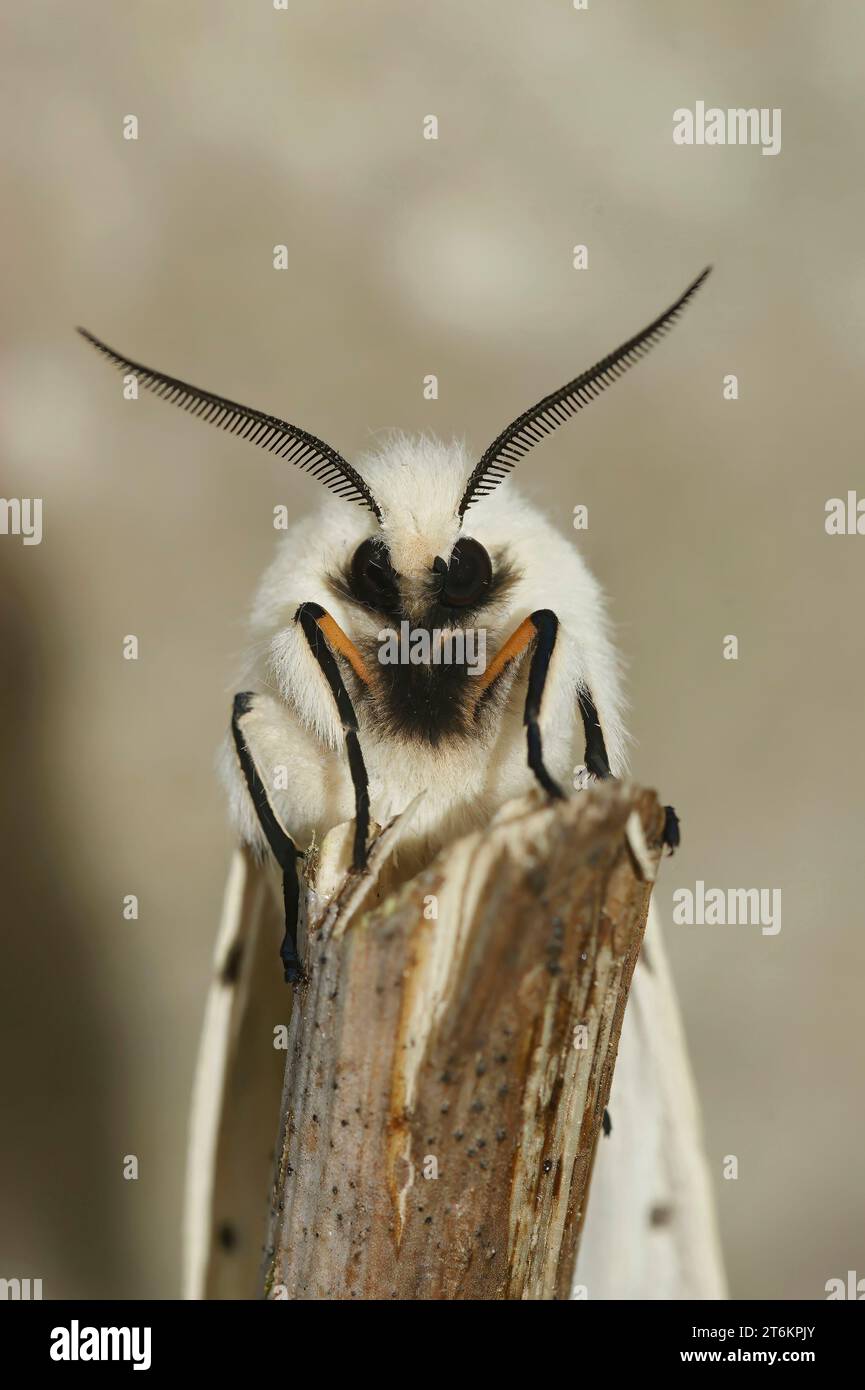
(451, 1055)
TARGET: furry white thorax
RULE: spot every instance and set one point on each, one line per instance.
(418, 484)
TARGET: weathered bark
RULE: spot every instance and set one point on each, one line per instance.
(451, 1056)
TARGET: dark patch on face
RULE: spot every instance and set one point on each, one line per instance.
(424, 703)
(429, 703)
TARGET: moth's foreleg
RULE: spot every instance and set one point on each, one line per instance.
(538, 631)
(284, 849)
(599, 764)
(325, 636)
(546, 626)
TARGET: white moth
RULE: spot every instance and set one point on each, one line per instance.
(442, 647)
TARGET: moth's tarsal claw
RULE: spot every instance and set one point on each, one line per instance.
(671, 835)
(598, 767)
(292, 968)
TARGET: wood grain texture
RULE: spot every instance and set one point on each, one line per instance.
(441, 1106)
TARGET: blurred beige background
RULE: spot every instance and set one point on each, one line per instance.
(409, 257)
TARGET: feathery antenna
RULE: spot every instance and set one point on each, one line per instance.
(554, 410)
(277, 436)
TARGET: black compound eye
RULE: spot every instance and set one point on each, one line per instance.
(469, 574)
(373, 580)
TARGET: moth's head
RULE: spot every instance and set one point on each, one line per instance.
(425, 561)
(425, 592)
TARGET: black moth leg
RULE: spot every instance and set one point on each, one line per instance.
(671, 834)
(596, 752)
(598, 763)
(311, 617)
(546, 625)
(284, 849)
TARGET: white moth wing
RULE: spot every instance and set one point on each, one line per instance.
(236, 1092)
(650, 1230)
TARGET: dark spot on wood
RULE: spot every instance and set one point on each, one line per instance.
(557, 1181)
(500, 1135)
(231, 969)
(548, 1165)
(226, 1236)
(661, 1214)
(537, 880)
